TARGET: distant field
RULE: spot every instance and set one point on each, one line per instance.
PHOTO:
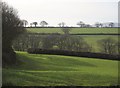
(55, 70)
(92, 40)
(74, 30)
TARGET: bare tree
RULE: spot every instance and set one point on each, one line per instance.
(35, 23)
(111, 24)
(108, 46)
(88, 25)
(63, 24)
(97, 24)
(101, 25)
(66, 30)
(81, 24)
(60, 25)
(43, 23)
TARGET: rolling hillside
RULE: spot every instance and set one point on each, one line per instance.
(55, 70)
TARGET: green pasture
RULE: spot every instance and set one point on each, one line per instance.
(92, 40)
(55, 70)
(74, 30)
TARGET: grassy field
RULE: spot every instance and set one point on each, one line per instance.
(55, 70)
(92, 40)
(74, 30)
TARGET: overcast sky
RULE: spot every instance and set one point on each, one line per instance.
(68, 11)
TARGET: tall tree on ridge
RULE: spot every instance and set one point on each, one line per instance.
(81, 24)
(35, 23)
(43, 23)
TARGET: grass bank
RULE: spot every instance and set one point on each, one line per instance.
(55, 70)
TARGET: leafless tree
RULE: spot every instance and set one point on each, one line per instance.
(108, 46)
(97, 24)
(111, 24)
(81, 24)
(66, 30)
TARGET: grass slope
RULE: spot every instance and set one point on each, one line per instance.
(55, 70)
(92, 40)
(74, 30)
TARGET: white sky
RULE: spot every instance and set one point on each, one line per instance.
(68, 11)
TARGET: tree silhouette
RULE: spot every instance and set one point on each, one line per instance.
(108, 45)
(12, 26)
(81, 24)
(65, 30)
(101, 25)
(25, 22)
(111, 24)
(62, 24)
(97, 24)
(43, 23)
(35, 23)
(59, 24)
(88, 25)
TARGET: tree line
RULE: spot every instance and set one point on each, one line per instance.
(63, 24)
(63, 42)
(12, 26)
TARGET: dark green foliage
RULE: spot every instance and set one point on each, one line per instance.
(12, 26)
(25, 41)
(7, 84)
(73, 53)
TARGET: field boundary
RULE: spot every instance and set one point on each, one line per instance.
(76, 34)
(73, 53)
(71, 27)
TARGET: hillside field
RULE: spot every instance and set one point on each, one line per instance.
(55, 70)
(92, 40)
(74, 30)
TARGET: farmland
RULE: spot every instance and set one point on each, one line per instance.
(55, 70)
(74, 30)
(93, 40)
(58, 70)
(81, 50)
(90, 39)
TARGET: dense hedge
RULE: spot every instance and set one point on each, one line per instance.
(73, 53)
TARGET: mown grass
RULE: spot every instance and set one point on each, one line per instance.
(74, 30)
(55, 70)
